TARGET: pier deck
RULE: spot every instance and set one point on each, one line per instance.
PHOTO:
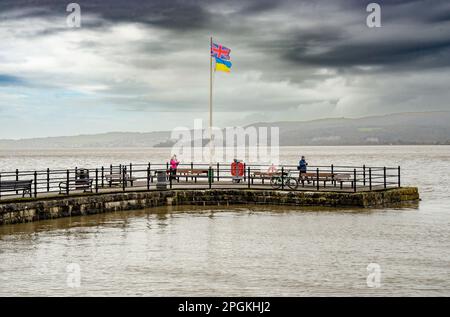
(190, 185)
(57, 183)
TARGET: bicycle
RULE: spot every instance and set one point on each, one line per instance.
(277, 181)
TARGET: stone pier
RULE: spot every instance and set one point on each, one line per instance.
(27, 210)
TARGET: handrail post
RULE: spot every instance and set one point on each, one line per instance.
(384, 177)
(282, 177)
(370, 178)
(218, 167)
(170, 179)
(67, 182)
(354, 180)
(333, 182)
(245, 172)
(317, 179)
(0, 182)
(248, 178)
(103, 176)
(399, 184)
(131, 174)
(364, 175)
(110, 175)
(150, 171)
(96, 180)
(35, 184)
(17, 178)
(124, 180)
(48, 179)
(148, 177)
(209, 176)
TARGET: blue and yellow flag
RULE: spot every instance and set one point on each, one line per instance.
(223, 65)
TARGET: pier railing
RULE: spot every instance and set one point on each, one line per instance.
(149, 176)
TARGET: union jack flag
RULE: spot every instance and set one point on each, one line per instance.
(220, 51)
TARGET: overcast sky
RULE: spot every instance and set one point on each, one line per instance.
(144, 65)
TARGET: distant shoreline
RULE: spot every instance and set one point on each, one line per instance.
(424, 128)
(162, 148)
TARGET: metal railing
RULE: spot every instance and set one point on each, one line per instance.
(126, 177)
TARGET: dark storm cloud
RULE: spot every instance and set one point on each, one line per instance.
(417, 11)
(415, 54)
(193, 13)
(414, 34)
(174, 14)
(177, 14)
(294, 45)
(171, 14)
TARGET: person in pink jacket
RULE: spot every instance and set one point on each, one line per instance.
(173, 166)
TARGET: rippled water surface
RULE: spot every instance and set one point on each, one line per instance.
(243, 250)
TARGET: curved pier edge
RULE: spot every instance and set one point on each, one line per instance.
(20, 211)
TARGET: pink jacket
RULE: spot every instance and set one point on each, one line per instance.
(174, 163)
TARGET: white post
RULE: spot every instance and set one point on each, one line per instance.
(210, 105)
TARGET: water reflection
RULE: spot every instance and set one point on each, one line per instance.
(240, 250)
(159, 217)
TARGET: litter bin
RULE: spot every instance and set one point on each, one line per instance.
(161, 180)
(81, 178)
(82, 173)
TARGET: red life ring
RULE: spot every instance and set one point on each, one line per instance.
(240, 169)
(233, 169)
(237, 169)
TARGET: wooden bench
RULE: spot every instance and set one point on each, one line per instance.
(76, 184)
(313, 177)
(341, 178)
(334, 178)
(116, 179)
(15, 186)
(116, 176)
(263, 175)
(193, 173)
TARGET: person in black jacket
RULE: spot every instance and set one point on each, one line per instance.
(302, 167)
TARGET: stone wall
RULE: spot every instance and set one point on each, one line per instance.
(39, 209)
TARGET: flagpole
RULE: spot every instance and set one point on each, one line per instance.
(210, 105)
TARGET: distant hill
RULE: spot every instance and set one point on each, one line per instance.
(402, 128)
(103, 140)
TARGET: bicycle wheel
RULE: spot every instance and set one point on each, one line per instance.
(292, 183)
(276, 182)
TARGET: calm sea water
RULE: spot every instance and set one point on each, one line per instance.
(243, 250)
